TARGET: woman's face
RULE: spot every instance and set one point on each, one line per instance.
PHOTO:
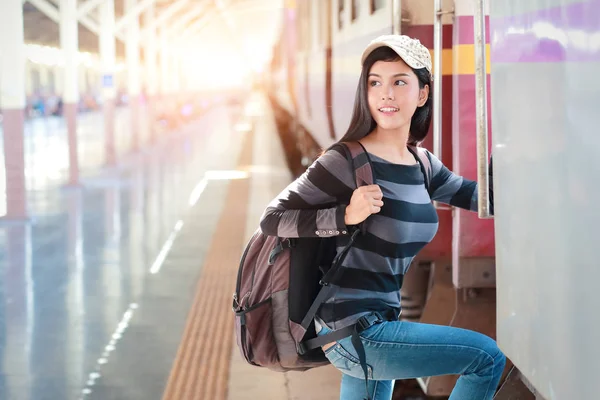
(394, 94)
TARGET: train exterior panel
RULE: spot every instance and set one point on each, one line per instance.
(545, 96)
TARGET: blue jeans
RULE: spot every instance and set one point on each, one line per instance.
(405, 350)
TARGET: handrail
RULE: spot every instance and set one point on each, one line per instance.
(438, 45)
(437, 79)
(483, 206)
(397, 16)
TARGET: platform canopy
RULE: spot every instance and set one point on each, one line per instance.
(190, 19)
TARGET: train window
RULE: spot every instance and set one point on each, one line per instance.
(308, 31)
(341, 13)
(300, 28)
(303, 31)
(377, 5)
(355, 9)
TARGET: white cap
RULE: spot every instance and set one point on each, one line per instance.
(410, 50)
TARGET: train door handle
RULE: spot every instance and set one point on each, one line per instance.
(437, 84)
(483, 206)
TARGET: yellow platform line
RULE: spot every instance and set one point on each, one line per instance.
(201, 366)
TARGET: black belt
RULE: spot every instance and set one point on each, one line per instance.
(362, 324)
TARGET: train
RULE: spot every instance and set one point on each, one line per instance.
(513, 79)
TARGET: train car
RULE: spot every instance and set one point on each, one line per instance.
(479, 273)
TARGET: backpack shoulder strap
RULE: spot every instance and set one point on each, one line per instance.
(361, 163)
(423, 158)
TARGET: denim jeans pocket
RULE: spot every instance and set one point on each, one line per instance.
(347, 362)
(332, 348)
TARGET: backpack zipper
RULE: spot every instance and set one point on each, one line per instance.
(254, 307)
(242, 314)
(281, 245)
(236, 295)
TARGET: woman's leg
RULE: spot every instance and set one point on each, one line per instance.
(403, 350)
(354, 389)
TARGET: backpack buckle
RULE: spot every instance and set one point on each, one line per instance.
(282, 244)
(301, 348)
(368, 321)
(235, 306)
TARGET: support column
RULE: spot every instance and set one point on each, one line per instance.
(44, 79)
(107, 60)
(166, 104)
(70, 44)
(12, 102)
(133, 73)
(45, 89)
(29, 70)
(151, 60)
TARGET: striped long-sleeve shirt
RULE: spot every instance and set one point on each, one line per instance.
(314, 205)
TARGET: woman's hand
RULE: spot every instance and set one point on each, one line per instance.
(366, 200)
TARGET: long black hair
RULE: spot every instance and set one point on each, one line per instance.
(362, 122)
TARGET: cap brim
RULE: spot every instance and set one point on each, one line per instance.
(407, 59)
(372, 47)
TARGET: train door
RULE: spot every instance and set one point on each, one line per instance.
(546, 169)
(452, 282)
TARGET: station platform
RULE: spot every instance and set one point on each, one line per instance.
(121, 288)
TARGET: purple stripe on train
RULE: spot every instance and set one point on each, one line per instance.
(566, 33)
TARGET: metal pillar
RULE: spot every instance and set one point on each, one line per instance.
(166, 102)
(44, 80)
(133, 72)
(29, 71)
(69, 43)
(108, 58)
(12, 102)
(151, 59)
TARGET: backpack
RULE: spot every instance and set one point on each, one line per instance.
(282, 282)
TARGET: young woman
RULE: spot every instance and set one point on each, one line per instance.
(392, 111)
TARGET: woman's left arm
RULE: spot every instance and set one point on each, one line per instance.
(449, 188)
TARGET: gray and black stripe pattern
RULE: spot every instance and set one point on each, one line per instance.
(314, 205)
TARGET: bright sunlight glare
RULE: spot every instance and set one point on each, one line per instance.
(214, 68)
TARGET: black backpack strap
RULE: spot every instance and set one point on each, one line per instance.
(362, 167)
(326, 288)
(422, 157)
